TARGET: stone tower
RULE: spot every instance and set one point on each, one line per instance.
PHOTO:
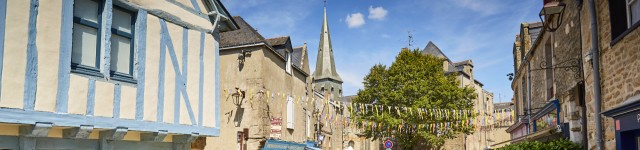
(325, 77)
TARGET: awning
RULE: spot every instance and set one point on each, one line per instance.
(312, 146)
(282, 145)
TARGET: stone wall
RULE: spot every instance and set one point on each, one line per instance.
(619, 67)
(263, 71)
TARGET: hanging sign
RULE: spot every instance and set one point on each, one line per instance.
(276, 127)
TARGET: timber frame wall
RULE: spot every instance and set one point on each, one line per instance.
(172, 99)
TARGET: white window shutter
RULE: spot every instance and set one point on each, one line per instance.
(290, 113)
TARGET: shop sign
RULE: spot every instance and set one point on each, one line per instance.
(276, 127)
(630, 121)
(282, 145)
(546, 121)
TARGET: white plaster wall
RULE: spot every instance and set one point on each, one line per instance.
(48, 24)
(15, 54)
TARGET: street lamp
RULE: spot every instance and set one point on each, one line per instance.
(238, 96)
(552, 12)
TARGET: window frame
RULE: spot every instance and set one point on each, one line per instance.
(615, 38)
(291, 108)
(288, 64)
(97, 71)
(118, 76)
(628, 7)
(83, 69)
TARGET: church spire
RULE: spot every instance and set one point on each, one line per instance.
(325, 66)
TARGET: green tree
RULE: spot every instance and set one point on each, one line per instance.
(413, 81)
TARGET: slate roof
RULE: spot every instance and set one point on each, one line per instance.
(432, 49)
(534, 31)
(296, 56)
(348, 99)
(465, 62)
(503, 105)
(279, 44)
(278, 40)
(245, 35)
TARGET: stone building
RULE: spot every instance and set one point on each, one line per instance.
(502, 119)
(522, 45)
(548, 81)
(353, 134)
(616, 51)
(266, 88)
(109, 74)
(483, 104)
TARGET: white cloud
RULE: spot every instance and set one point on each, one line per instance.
(355, 20)
(487, 7)
(377, 13)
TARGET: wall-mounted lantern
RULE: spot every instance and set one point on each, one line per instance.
(551, 14)
(238, 96)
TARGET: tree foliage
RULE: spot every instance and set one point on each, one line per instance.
(413, 80)
(559, 144)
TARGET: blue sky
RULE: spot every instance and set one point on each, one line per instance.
(368, 32)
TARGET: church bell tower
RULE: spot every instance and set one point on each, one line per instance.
(325, 78)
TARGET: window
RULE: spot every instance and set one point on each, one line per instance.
(121, 44)
(86, 54)
(638, 141)
(287, 56)
(548, 54)
(85, 51)
(624, 15)
(290, 113)
(308, 125)
(633, 10)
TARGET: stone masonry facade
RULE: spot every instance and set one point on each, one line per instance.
(619, 70)
(572, 79)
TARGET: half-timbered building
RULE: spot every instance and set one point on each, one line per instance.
(109, 74)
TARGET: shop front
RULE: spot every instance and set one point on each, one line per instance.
(627, 123)
(282, 145)
(546, 123)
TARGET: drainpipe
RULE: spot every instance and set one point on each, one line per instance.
(595, 52)
(529, 96)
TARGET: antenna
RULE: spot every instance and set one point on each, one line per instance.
(410, 39)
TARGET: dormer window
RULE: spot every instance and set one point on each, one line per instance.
(287, 57)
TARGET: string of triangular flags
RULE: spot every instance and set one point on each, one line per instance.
(423, 113)
(447, 117)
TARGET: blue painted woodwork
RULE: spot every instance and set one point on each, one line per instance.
(3, 18)
(17, 116)
(201, 81)
(64, 66)
(91, 97)
(105, 37)
(195, 5)
(179, 77)
(141, 52)
(31, 73)
(216, 36)
(116, 100)
(161, 72)
(11, 142)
